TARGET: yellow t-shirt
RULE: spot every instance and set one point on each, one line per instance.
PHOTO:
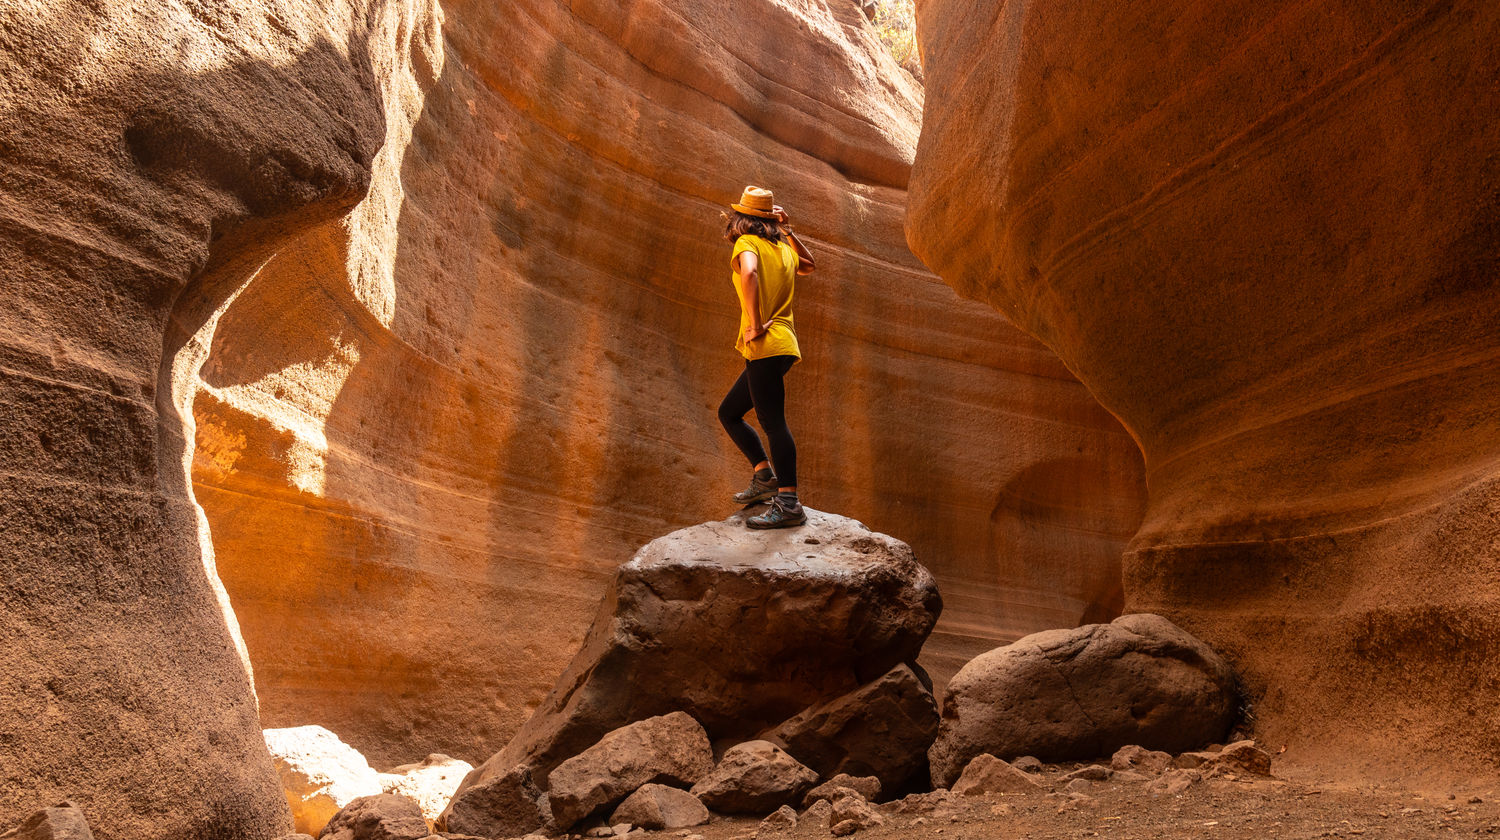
(778, 280)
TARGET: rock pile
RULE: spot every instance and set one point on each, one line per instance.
(797, 647)
(806, 638)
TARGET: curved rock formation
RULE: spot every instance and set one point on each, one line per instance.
(1263, 234)
(492, 384)
(153, 154)
(431, 296)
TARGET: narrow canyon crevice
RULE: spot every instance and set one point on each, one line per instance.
(428, 433)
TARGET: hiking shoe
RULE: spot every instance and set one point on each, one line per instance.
(760, 489)
(781, 514)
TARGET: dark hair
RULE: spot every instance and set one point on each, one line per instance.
(737, 224)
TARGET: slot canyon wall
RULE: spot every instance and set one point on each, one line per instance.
(430, 302)
(426, 438)
(1265, 235)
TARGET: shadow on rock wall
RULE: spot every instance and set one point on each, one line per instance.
(140, 198)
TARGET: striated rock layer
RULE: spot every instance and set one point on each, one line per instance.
(426, 436)
(1264, 235)
(431, 300)
(153, 154)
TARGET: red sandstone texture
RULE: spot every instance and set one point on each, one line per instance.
(431, 300)
(1265, 236)
(428, 434)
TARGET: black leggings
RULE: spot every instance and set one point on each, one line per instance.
(760, 387)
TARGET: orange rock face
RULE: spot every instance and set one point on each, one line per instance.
(431, 301)
(1264, 235)
(152, 155)
(428, 436)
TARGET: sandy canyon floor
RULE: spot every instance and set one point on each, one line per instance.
(1215, 808)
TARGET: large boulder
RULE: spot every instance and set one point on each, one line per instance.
(385, 816)
(320, 774)
(156, 155)
(755, 777)
(1271, 253)
(430, 782)
(740, 629)
(882, 729)
(1084, 693)
(670, 749)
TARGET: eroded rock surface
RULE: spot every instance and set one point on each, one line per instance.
(1085, 693)
(1270, 252)
(154, 155)
(498, 378)
(739, 629)
(238, 232)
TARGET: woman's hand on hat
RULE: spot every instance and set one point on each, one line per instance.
(780, 214)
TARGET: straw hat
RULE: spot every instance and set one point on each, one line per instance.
(756, 202)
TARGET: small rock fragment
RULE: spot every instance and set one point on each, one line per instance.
(755, 777)
(817, 813)
(844, 829)
(780, 820)
(867, 786)
(1244, 757)
(384, 816)
(1140, 760)
(1028, 764)
(988, 774)
(852, 807)
(1194, 760)
(1078, 786)
(658, 807)
(1173, 782)
(921, 803)
(1093, 773)
(1129, 776)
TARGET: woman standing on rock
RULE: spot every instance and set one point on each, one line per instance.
(766, 259)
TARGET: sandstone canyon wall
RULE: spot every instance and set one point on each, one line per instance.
(152, 155)
(430, 301)
(427, 438)
(1265, 235)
